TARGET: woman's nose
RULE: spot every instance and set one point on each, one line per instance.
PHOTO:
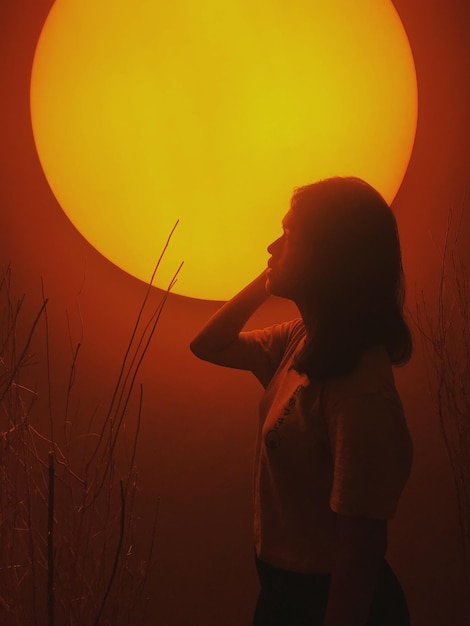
(273, 245)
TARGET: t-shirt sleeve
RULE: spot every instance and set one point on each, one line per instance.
(372, 455)
(267, 348)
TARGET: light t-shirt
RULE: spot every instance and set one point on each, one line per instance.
(338, 447)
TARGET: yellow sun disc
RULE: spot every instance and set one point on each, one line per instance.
(212, 112)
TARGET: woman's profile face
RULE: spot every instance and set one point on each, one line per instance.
(340, 240)
(291, 266)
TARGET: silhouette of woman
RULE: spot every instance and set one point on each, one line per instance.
(333, 451)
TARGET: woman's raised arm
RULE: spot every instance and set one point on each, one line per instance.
(219, 341)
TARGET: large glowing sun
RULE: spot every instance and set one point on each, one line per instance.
(211, 112)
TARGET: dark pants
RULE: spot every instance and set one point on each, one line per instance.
(292, 599)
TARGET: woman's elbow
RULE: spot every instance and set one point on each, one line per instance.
(197, 349)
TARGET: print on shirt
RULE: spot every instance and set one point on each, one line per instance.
(272, 438)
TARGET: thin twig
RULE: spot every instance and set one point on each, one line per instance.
(48, 367)
(20, 360)
(116, 556)
(136, 438)
(50, 546)
(133, 334)
(114, 435)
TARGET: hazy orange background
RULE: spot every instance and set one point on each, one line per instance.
(200, 421)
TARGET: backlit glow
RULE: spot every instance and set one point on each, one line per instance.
(211, 112)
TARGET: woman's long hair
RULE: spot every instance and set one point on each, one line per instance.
(358, 291)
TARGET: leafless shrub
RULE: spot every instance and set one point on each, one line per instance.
(444, 326)
(67, 518)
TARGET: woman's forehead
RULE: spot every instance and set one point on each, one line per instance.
(295, 220)
(289, 220)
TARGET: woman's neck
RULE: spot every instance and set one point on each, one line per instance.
(309, 317)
